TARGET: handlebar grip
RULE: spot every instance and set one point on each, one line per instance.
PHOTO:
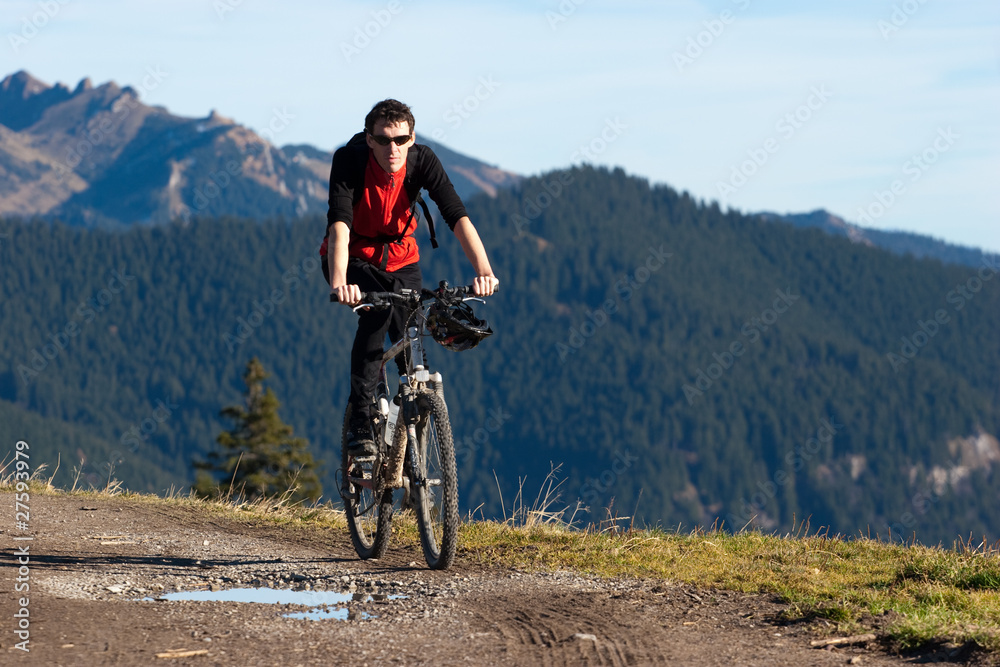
(366, 297)
(469, 290)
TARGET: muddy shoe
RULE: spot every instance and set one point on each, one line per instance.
(360, 442)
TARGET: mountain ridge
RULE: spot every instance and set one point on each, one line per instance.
(98, 156)
(897, 242)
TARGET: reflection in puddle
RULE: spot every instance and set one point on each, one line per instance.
(325, 603)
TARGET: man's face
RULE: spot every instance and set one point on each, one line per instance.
(392, 157)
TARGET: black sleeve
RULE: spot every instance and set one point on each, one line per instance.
(344, 179)
(439, 187)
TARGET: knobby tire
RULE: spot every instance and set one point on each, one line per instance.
(436, 500)
(369, 522)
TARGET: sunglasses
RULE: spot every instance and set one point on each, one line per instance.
(384, 141)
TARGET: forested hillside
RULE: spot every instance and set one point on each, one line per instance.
(687, 363)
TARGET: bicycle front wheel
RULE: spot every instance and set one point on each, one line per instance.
(436, 488)
(367, 506)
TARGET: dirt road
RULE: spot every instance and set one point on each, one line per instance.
(102, 573)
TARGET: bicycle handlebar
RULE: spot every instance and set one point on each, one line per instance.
(386, 299)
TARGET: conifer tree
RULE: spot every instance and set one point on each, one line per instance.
(258, 457)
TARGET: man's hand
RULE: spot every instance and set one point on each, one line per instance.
(349, 295)
(484, 285)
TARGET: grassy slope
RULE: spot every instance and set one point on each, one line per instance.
(934, 595)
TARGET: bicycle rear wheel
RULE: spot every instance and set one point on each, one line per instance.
(436, 490)
(367, 506)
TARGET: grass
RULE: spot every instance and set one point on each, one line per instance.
(937, 595)
(932, 595)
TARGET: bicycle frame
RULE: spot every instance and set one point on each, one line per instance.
(415, 381)
(417, 453)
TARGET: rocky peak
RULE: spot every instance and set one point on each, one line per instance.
(21, 85)
(83, 86)
(23, 99)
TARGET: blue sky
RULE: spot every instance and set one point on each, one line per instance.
(883, 112)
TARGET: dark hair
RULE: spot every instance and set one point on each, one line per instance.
(392, 112)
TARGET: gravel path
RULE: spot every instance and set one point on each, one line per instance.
(103, 572)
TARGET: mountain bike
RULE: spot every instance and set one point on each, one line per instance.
(415, 451)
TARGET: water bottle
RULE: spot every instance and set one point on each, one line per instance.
(390, 427)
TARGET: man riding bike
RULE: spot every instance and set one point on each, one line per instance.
(375, 183)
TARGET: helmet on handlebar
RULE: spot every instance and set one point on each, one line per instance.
(455, 326)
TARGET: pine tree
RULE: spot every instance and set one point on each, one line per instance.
(259, 457)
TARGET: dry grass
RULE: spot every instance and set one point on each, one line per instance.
(280, 509)
(936, 594)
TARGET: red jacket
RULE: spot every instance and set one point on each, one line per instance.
(377, 205)
(384, 211)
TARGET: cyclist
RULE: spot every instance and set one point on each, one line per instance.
(375, 181)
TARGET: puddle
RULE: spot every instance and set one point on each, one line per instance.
(326, 604)
(337, 614)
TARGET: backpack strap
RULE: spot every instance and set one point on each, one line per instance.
(414, 191)
(430, 220)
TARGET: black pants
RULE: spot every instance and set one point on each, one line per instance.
(366, 355)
